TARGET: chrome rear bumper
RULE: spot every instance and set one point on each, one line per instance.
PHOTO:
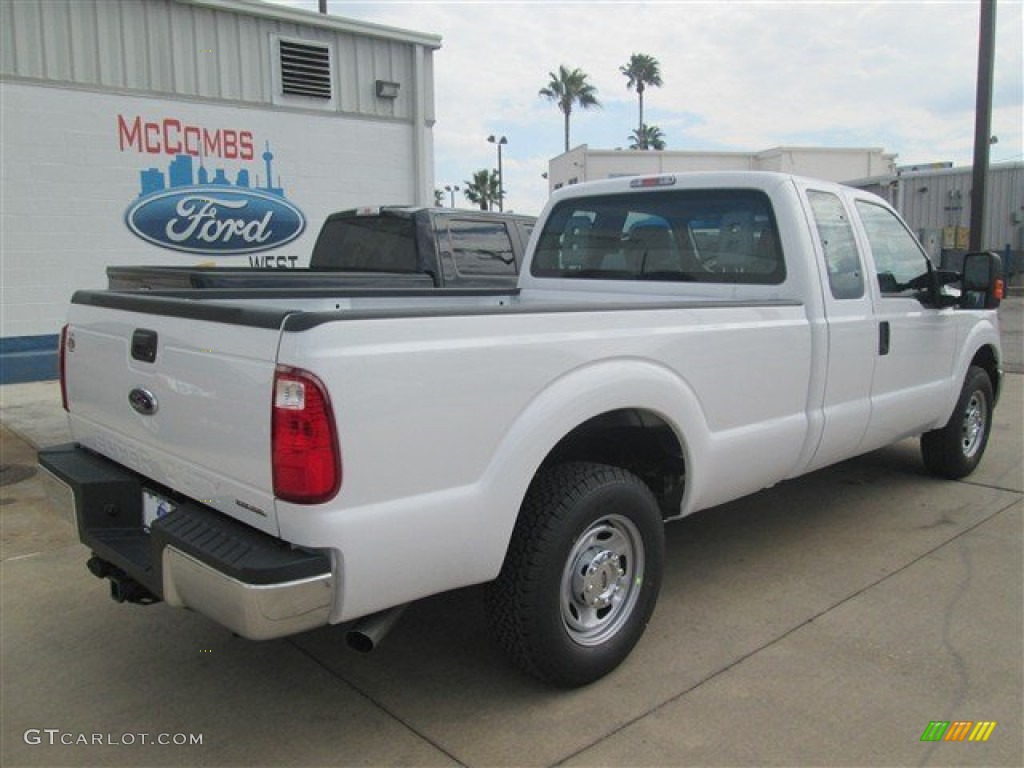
(255, 611)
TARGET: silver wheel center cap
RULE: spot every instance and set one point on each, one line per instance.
(598, 581)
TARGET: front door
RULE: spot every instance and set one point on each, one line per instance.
(916, 342)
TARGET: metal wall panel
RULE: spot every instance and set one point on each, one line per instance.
(29, 46)
(56, 47)
(134, 46)
(942, 198)
(83, 42)
(205, 50)
(108, 49)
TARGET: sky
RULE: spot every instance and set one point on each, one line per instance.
(738, 76)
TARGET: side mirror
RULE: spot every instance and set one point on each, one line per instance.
(982, 281)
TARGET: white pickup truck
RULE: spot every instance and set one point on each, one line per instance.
(280, 460)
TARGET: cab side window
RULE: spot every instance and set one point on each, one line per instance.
(900, 262)
(482, 248)
(842, 261)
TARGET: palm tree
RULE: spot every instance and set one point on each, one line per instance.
(650, 137)
(483, 189)
(569, 88)
(641, 70)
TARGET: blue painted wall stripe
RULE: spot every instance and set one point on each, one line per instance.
(28, 358)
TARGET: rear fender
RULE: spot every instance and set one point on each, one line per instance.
(578, 396)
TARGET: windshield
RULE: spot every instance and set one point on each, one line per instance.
(367, 243)
(712, 236)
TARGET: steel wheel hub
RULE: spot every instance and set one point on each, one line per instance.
(974, 425)
(601, 580)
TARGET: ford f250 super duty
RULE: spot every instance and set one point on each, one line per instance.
(280, 460)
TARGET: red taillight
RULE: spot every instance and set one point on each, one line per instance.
(304, 441)
(62, 354)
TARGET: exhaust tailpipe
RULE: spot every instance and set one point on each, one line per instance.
(368, 632)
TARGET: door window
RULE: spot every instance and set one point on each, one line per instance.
(900, 262)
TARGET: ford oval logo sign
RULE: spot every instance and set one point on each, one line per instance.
(143, 401)
(217, 221)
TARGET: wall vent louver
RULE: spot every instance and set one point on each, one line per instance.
(305, 69)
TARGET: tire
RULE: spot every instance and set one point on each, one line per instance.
(955, 450)
(581, 576)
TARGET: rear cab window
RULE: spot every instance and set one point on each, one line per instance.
(705, 236)
(376, 243)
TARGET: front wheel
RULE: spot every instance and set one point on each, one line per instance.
(582, 573)
(955, 450)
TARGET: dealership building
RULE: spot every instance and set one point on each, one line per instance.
(582, 163)
(935, 201)
(190, 132)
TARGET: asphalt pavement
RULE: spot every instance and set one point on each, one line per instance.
(827, 621)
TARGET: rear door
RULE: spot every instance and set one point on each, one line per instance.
(916, 342)
(852, 350)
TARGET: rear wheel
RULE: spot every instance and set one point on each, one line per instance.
(582, 573)
(955, 450)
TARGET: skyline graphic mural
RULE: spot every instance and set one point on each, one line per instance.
(180, 173)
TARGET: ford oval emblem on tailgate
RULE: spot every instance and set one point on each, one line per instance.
(143, 401)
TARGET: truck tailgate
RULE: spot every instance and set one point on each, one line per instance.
(184, 401)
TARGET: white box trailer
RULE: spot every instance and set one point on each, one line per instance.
(190, 132)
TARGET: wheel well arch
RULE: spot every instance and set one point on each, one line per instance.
(638, 440)
(985, 358)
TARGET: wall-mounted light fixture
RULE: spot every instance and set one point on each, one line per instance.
(387, 90)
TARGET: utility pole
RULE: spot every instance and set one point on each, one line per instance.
(501, 184)
(982, 121)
